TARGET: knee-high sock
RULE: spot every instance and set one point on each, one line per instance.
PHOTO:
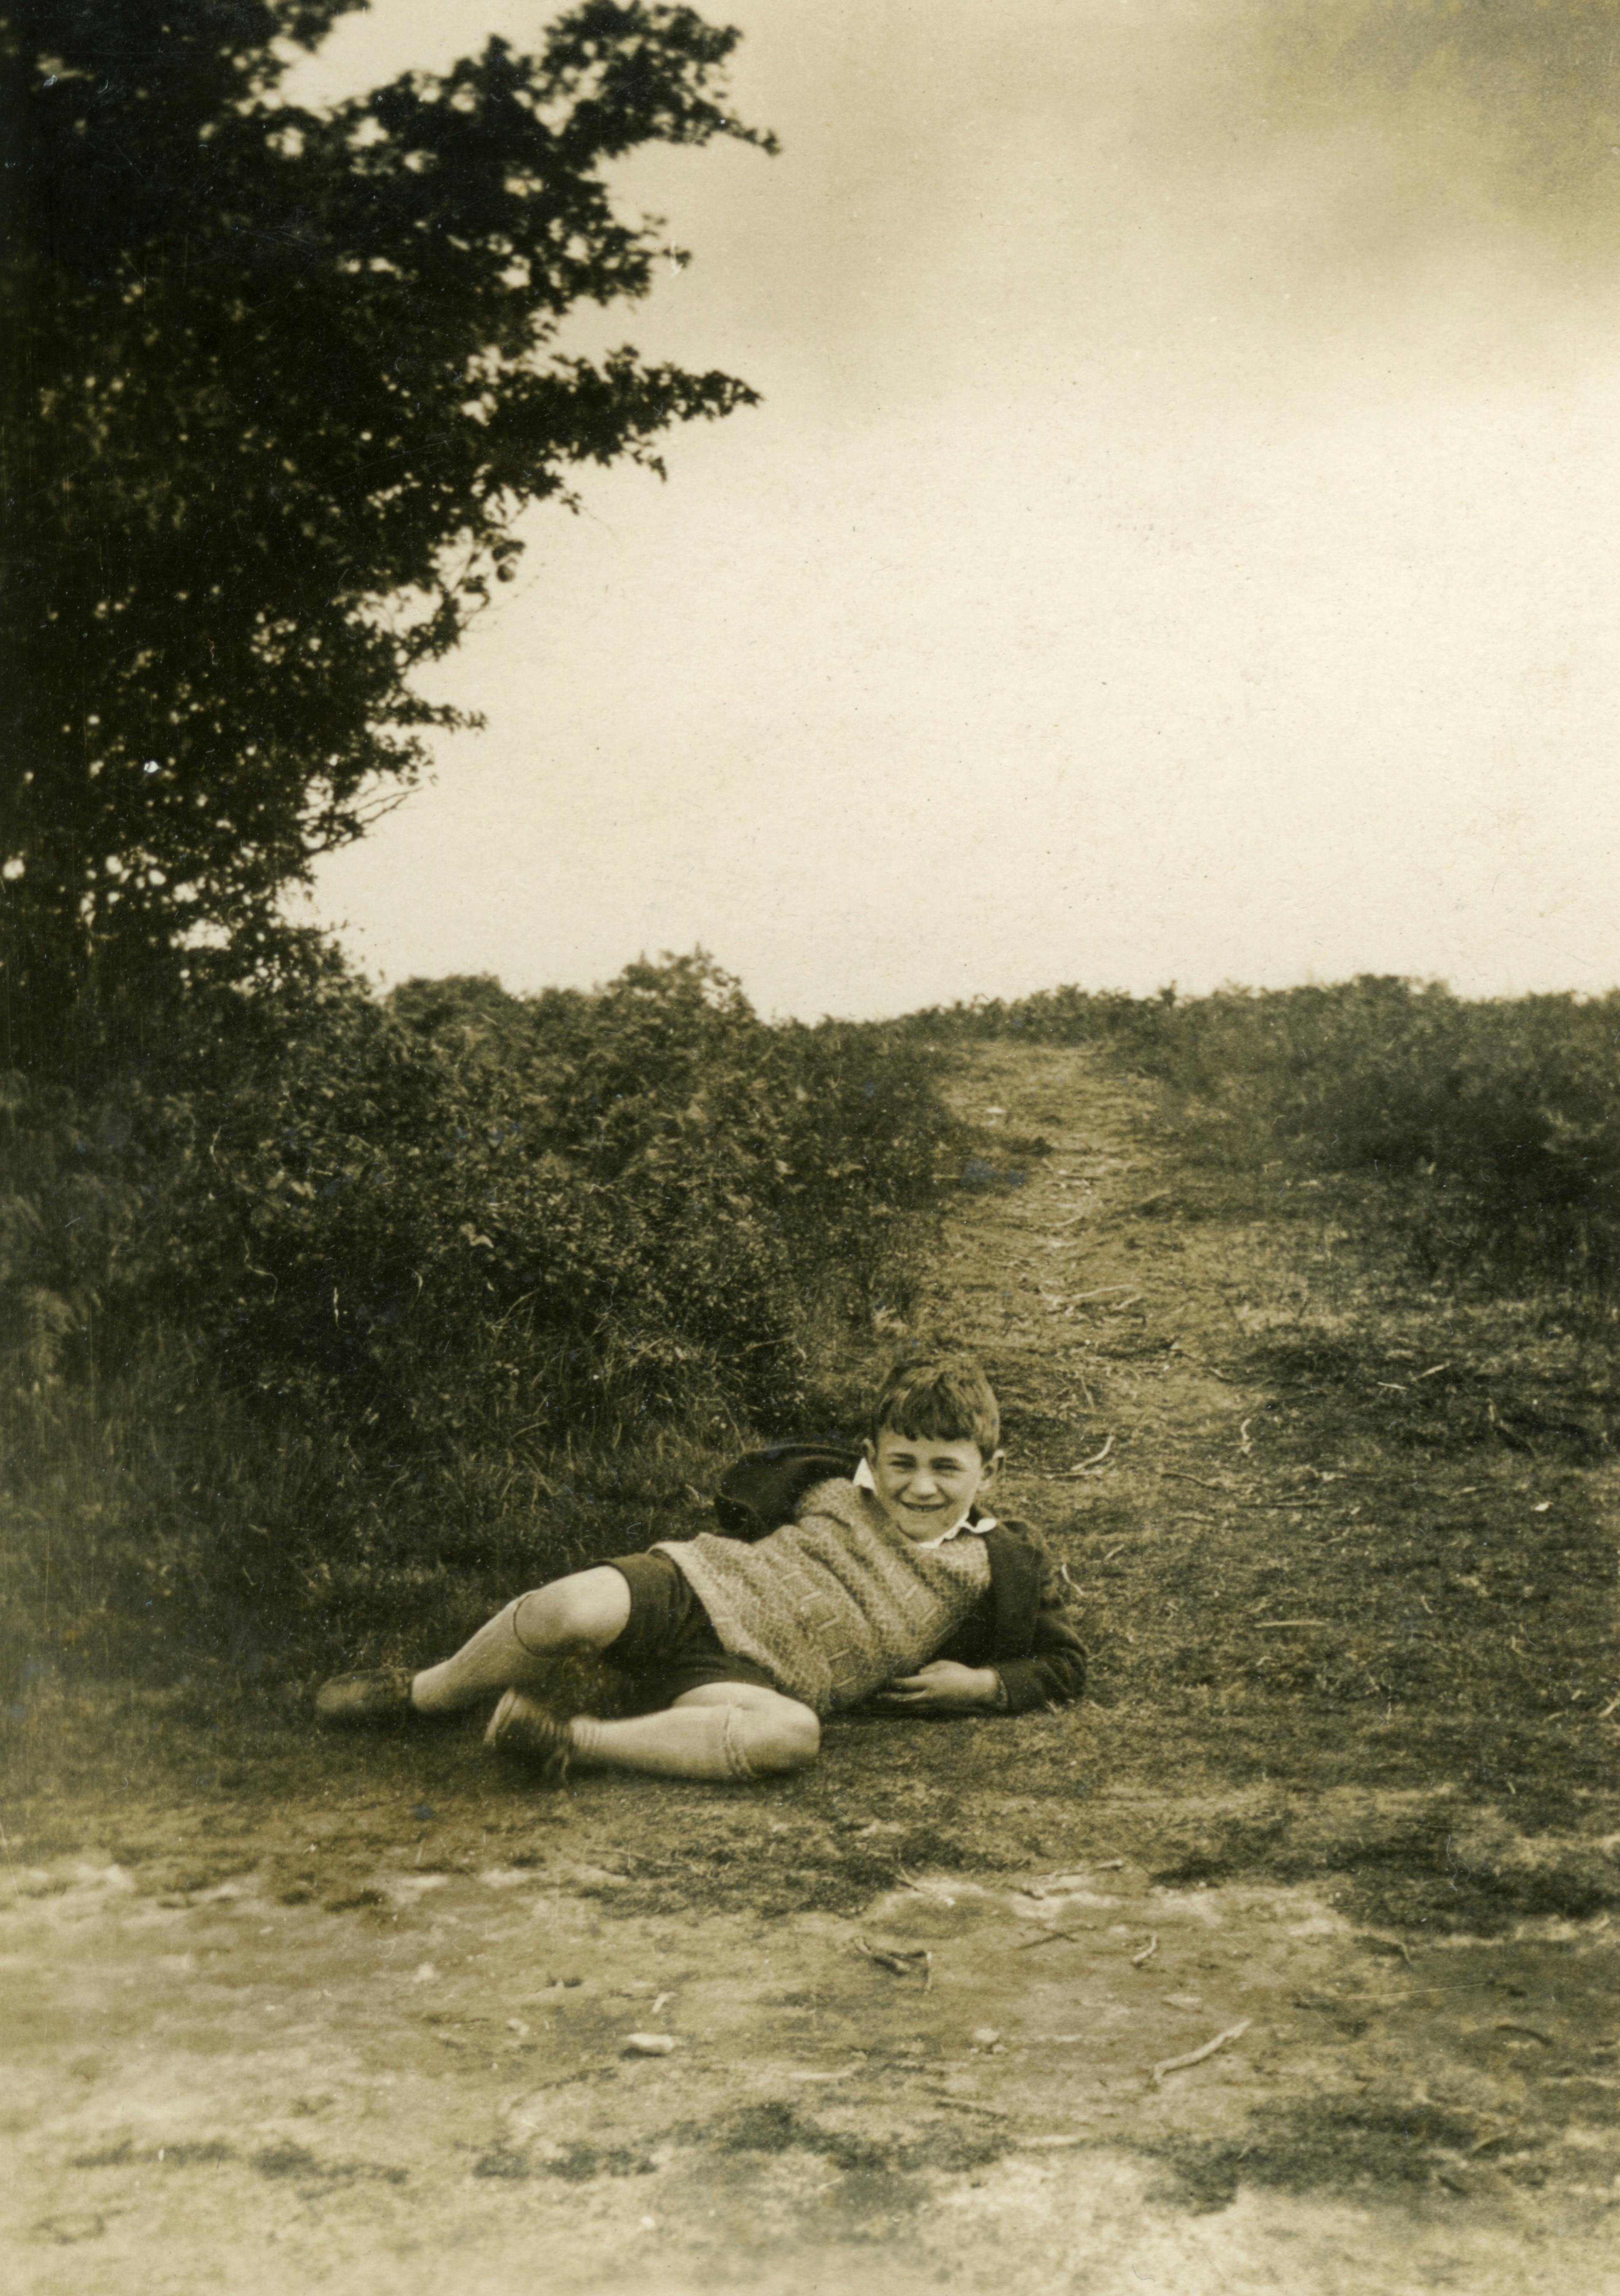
(497, 1657)
(684, 1741)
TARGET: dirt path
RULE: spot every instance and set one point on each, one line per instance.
(362, 2017)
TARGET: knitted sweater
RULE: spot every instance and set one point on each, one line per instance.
(1026, 1626)
(838, 1602)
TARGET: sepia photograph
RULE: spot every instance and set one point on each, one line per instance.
(809, 1147)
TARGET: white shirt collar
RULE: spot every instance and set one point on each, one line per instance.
(975, 1520)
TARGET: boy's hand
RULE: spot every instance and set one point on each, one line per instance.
(942, 1688)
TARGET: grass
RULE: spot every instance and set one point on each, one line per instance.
(1422, 1474)
(161, 1530)
(331, 1314)
(1402, 1576)
(1488, 1128)
(156, 1537)
(1350, 1563)
(1422, 1471)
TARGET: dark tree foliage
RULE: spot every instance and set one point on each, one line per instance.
(277, 384)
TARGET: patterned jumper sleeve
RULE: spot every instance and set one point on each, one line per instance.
(1039, 1653)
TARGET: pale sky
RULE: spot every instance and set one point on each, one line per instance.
(1179, 540)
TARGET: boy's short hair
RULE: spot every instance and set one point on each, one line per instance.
(944, 1398)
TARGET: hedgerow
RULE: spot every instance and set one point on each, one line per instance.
(324, 1285)
(461, 1208)
(1489, 1129)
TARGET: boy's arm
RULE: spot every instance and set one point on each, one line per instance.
(1054, 1671)
(768, 1489)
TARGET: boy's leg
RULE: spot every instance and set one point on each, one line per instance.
(720, 1730)
(585, 1611)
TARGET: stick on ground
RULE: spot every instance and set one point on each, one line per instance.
(1196, 2057)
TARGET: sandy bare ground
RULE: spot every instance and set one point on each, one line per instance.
(281, 2014)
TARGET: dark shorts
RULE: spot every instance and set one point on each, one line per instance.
(670, 1646)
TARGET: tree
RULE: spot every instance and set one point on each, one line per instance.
(277, 385)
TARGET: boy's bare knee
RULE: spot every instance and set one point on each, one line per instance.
(767, 1732)
(585, 1611)
(804, 1731)
(782, 1736)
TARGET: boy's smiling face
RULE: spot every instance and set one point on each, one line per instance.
(926, 1485)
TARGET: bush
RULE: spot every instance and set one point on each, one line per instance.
(1493, 1128)
(1495, 1125)
(324, 1309)
(463, 1211)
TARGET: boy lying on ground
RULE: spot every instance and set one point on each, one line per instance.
(897, 1585)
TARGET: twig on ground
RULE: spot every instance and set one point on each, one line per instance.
(1269, 1626)
(1146, 1954)
(1174, 1475)
(1196, 2057)
(904, 1960)
(935, 1894)
(1075, 1298)
(1514, 1442)
(1244, 1443)
(1095, 1460)
(1033, 1888)
(967, 2105)
(1506, 2025)
(1496, 2136)
(1049, 1937)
